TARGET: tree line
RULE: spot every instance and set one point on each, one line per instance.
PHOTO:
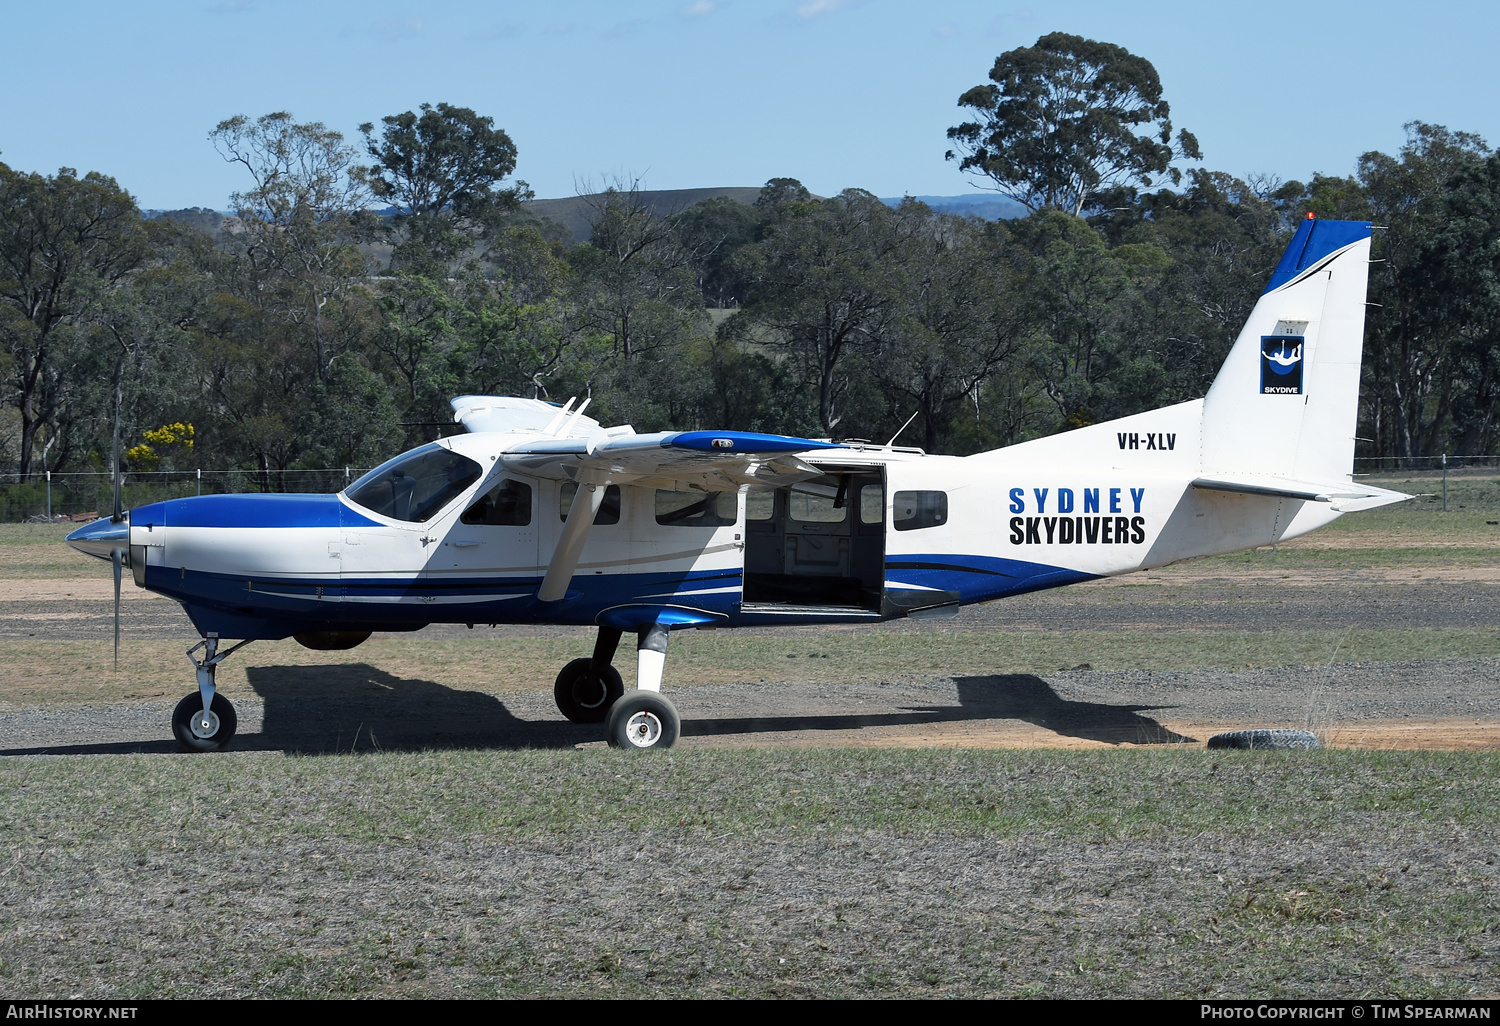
(310, 330)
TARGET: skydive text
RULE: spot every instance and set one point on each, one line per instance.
(1077, 530)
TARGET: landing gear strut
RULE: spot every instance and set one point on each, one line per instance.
(590, 691)
(205, 721)
(643, 719)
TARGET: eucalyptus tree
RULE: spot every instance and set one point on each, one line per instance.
(635, 283)
(299, 225)
(1063, 119)
(825, 283)
(1462, 264)
(1410, 336)
(65, 243)
(960, 318)
(442, 169)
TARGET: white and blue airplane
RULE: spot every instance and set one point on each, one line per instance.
(539, 514)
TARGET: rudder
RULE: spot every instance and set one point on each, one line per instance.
(1286, 401)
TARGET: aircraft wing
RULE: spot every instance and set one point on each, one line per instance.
(1344, 496)
(707, 460)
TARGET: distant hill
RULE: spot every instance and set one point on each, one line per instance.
(985, 207)
(201, 218)
(574, 210)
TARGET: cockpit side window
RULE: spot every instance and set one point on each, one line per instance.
(508, 504)
(415, 486)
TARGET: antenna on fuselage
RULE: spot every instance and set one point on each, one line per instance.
(903, 428)
(566, 428)
(552, 424)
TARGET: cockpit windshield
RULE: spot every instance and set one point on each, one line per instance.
(416, 485)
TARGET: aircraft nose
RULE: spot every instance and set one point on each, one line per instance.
(102, 537)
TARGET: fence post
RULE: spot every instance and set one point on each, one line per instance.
(346, 477)
(49, 496)
(1445, 482)
(200, 480)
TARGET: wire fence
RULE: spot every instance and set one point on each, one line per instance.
(81, 495)
(1430, 464)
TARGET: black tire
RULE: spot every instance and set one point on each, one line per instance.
(642, 721)
(586, 697)
(191, 706)
(1302, 739)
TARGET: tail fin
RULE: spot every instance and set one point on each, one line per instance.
(1286, 400)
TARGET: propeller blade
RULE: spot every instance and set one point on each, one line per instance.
(114, 557)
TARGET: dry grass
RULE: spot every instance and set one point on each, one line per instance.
(761, 874)
(58, 673)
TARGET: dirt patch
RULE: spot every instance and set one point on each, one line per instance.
(81, 589)
(1204, 572)
(1435, 735)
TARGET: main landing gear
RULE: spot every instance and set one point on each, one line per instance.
(204, 721)
(590, 691)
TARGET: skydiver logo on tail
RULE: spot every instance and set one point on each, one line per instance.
(1281, 364)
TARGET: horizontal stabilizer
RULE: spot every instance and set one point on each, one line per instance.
(1344, 496)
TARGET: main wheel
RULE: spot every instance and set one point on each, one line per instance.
(584, 696)
(643, 720)
(197, 732)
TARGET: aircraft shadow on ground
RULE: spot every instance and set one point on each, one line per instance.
(359, 708)
(1012, 696)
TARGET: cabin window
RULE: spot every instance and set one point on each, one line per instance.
(416, 485)
(872, 504)
(696, 509)
(826, 505)
(508, 504)
(609, 509)
(760, 505)
(913, 511)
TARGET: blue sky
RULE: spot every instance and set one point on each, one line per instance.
(689, 93)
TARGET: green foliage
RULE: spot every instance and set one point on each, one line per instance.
(1060, 120)
(442, 170)
(1413, 330)
(278, 336)
(65, 243)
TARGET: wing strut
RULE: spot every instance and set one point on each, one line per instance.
(586, 503)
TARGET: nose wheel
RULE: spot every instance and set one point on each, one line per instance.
(204, 730)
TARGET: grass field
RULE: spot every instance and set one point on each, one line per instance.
(855, 873)
(1166, 872)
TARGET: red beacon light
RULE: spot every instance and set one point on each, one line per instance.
(1311, 216)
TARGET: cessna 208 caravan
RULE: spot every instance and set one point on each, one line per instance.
(539, 514)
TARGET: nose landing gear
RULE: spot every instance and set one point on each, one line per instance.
(205, 721)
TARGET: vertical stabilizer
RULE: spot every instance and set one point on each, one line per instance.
(1287, 398)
